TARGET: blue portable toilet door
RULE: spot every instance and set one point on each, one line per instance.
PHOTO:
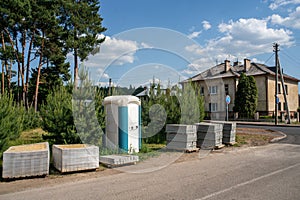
(133, 128)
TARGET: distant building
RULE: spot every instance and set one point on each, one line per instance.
(221, 80)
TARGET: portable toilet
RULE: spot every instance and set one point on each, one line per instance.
(123, 123)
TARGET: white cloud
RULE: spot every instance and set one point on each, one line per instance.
(292, 21)
(279, 3)
(206, 25)
(254, 31)
(241, 38)
(194, 48)
(194, 34)
(114, 51)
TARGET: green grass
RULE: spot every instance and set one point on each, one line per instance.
(29, 137)
(240, 140)
(149, 150)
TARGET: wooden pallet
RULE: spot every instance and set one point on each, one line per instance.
(191, 150)
(229, 143)
(118, 165)
(213, 147)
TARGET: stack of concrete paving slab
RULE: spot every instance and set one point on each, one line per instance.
(181, 137)
(209, 135)
(26, 160)
(229, 131)
(118, 160)
(75, 157)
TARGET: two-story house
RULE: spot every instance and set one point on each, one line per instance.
(221, 80)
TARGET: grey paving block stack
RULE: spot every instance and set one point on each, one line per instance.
(26, 161)
(75, 157)
(117, 160)
(229, 132)
(181, 137)
(209, 135)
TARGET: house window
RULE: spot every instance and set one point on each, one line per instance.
(286, 89)
(279, 88)
(213, 107)
(202, 91)
(279, 106)
(284, 106)
(226, 89)
(213, 89)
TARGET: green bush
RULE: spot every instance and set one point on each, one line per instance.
(11, 121)
(58, 118)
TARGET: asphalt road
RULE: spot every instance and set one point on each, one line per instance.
(265, 172)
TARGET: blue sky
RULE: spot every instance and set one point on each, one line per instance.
(169, 40)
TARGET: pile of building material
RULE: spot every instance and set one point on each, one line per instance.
(75, 157)
(209, 135)
(26, 160)
(229, 132)
(118, 160)
(181, 137)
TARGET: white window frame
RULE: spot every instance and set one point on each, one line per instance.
(213, 107)
(213, 89)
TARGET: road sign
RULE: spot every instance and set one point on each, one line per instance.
(228, 99)
(277, 100)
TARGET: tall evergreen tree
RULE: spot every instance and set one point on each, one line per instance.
(84, 111)
(82, 25)
(34, 34)
(58, 118)
(246, 96)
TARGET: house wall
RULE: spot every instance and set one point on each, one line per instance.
(262, 103)
(219, 97)
(292, 94)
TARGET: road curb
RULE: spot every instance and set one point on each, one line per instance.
(279, 138)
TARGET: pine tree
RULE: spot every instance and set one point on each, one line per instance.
(246, 96)
(84, 111)
(82, 25)
(189, 104)
(58, 119)
(11, 121)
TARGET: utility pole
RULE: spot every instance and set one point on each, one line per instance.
(109, 88)
(276, 82)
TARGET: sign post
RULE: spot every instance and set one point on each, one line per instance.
(227, 103)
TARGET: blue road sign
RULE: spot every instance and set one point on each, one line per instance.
(228, 99)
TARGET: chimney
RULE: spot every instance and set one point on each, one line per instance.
(226, 65)
(247, 64)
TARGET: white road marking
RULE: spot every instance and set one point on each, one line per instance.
(248, 182)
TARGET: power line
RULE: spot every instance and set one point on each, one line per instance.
(291, 58)
(269, 58)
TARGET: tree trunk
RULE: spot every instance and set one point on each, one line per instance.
(2, 81)
(9, 76)
(3, 77)
(16, 51)
(38, 76)
(23, 69)
(75, 68)
(28, 67)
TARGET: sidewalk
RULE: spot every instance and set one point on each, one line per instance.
(265, 124)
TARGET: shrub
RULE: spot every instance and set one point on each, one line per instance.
(11, 121)
(58, 118)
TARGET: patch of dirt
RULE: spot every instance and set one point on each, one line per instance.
(52, 180)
